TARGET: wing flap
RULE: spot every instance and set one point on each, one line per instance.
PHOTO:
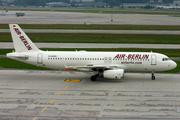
(95, 67)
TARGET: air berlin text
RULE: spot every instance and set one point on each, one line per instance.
(23, 39)
(132, 56)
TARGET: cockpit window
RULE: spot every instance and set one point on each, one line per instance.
(165, 59)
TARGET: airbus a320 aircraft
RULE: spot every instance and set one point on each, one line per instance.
(109, 65)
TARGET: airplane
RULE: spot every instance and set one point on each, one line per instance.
(110, 65)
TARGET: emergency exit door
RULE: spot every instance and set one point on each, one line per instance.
(40, 58)
(153, 60)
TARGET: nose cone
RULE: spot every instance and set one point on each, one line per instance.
(173, 65)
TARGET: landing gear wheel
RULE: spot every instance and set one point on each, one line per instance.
(96, 75)
(153, 77)
(93, 78)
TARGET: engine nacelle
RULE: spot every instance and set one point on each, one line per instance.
(114, 74)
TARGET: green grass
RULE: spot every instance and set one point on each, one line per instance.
(97, 38)
(168, 52)
(9, 63)
(95, 27)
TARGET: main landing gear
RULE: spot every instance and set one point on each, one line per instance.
(93, 78)
(153, 77)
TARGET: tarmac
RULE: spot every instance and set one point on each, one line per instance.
(9, 45)
(36, 94)
(153, 32)
(43, 17)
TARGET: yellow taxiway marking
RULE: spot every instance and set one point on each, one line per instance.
(73, 80)
(43, 109)
(52, 101)
(35, 118)
(67, 86)
(60, 93)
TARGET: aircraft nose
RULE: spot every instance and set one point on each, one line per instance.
(173, 65)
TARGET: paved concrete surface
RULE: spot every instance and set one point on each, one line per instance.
(26, 94)
(9, 45)
(175, 58)
(38, 17)
(159, 32)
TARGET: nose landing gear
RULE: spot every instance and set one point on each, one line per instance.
(153, 77)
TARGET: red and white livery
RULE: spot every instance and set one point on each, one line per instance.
(109, 65)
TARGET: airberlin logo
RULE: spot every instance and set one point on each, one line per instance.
(132, 56)
(23, 39)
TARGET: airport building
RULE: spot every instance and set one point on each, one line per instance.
(58, 4)
(176, 2)
(157, 4)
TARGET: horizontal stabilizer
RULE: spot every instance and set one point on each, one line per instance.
(16, 55)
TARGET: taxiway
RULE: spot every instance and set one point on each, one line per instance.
(30, 94)
(153, 32)
(9, 45)
(42, 17)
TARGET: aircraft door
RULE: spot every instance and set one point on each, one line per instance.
(153, 60)
(40, 58)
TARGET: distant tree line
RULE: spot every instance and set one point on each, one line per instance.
(36, 2)
(43, 2)
(118, 2)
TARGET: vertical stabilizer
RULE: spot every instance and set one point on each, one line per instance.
(21, 41)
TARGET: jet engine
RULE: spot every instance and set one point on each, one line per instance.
(113, 74)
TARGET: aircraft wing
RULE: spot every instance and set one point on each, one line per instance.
(96, 67)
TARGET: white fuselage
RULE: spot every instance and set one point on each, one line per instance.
(129, 61)
(109, 65)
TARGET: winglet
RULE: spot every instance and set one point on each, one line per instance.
(21, 41)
